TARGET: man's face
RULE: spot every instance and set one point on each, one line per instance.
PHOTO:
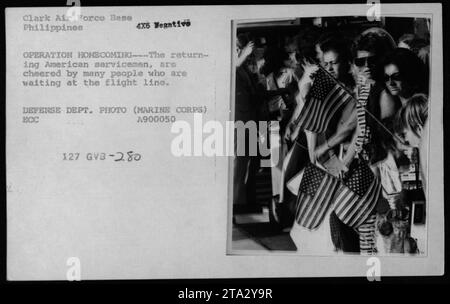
(331, 63)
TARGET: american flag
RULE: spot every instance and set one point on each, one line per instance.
(315, 196)
(325, 98)
(357, 195)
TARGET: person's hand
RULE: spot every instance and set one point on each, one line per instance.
(309, 69)
(343, 171)
(247, 50)
(321, 150)
(288, 133)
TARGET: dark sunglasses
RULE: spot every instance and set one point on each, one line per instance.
(393, 77)
(360, 62)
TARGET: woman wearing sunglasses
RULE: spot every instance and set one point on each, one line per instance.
(368, 69)
(406, 78)
(366, 146)
(404, 74)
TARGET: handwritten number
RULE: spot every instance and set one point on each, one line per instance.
(121, 157)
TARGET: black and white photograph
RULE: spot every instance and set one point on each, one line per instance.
(336, 111)
(197, 142)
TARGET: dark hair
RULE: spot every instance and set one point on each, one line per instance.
(415, 43)
(412, 70)
(372, 42)
(387, 141)
(381, 141)
(327, 36)
(377, 44)
(407, 38)
(341, 47)
(274, 60)
(306, 41)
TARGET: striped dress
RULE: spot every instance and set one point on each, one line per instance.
(364, 130)
(367, 236)
(366, 230)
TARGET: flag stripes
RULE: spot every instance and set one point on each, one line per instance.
(352, 209)
(367, 236)
(354, 198)
(315, 196)
(324, 100)
(357, 196)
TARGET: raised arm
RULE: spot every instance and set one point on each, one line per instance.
(246, 51)
(345, 128)
(351, 151)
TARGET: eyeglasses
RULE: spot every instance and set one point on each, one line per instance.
(363, 61)
(393, 77)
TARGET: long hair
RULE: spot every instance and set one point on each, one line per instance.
(306, 41)
(412, 70)
(381, 140)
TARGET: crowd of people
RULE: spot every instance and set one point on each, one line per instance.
(383, 126)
